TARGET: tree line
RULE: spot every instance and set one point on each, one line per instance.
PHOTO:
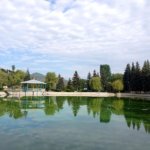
(134, 78)
(12, 78)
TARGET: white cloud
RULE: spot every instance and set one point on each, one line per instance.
(111, 31)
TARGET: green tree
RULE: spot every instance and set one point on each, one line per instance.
(88, 81)
(117, 85)
(94, 73)
(105, 73)
(146, 76)
(3, 79)
(51, 80)
(95, 84)
(133, 84)
(69, 86)
(76, 81)
(116, 76)
(83, 84)
(127, 78)
(27, 76)
(60, 84)
(138, 79)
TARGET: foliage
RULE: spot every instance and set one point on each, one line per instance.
(69, 86)
(146, 76)
(95, 84)
(117, 85)
(127, 78)
(88, 81)
(105, 73)
(51, 80)
(60, 84)
(137, 79)
(116, 76)
(83, 85)
(27, 76)
(76, 81)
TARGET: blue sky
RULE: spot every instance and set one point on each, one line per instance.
(67, 35)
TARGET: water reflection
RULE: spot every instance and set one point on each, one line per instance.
(135, 112)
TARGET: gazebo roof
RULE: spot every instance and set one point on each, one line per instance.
(32, 82)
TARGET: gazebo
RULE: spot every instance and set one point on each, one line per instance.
(33, 86)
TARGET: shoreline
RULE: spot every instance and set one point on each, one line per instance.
(77, 94)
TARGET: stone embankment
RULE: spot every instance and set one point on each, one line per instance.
(86, 94)
(79, 94)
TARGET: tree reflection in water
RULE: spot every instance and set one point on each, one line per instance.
(135, 112)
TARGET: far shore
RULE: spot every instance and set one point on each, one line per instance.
(77, 94)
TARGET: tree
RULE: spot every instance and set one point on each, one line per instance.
(83, 85)
(51, 80)
(76, 81)
(69, 87)
(88, 81)
(27, 76)
(146, 76)
(127, 78)
(116, 76)
(60, 84)
(3, 79)
(95, 84)
(133, 84)
(117, 85)
(19, 77)
(137, 78)
(94, 73)
(105, 73)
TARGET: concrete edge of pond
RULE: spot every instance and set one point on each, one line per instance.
(80, 94)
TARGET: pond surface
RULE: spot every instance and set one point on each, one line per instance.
(74, 123)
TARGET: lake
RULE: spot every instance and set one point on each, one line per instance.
(74, 123)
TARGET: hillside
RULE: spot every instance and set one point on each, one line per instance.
(38, 76)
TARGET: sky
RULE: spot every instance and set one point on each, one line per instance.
(66, 35)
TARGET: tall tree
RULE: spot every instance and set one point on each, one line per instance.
(133, 84)
(69, 87)
(94, 73)
(138, 80)
(60, 84)
(88, 81)
(76, 81)
(146, 76)
(127, 78)
(83, 85)
(105, 73)
(51, 80)
(27, 76)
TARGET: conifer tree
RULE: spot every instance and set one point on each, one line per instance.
(60, 84)
(27, 76)
(76, 81)
(88, 81)
(94, 73)
(133, 84)
(69, 86)
(138, 81)
(127, 78)
(146, 76)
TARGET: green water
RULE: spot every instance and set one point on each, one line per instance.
(74, 123)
